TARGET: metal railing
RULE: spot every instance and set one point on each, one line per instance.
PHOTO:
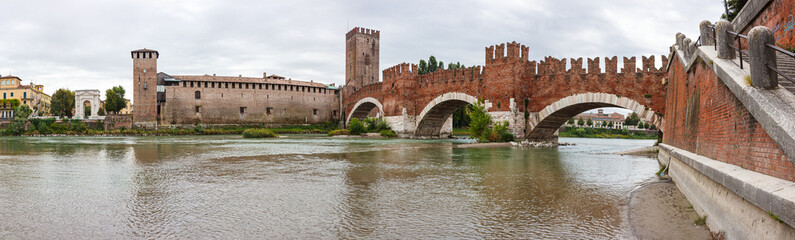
(739, 47)
(785, 52)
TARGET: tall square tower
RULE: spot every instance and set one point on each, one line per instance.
(361, 58)
(145, 87)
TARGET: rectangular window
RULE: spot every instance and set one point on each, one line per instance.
(269, 111)
(24, 94)
(184, 84)
(212, 85)
(191, 84)
(233, 85)
(334, 113)
(198, 95)
(260, 86)
(246, 85)
(12, 94)
(226, 84)
(240, 85)
(198, 109)
(280, 87)
(242, 110)
(314, 111)
(205, 84)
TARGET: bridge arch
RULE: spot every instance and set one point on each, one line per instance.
(553, 116)
(438, 110)
(363, 107)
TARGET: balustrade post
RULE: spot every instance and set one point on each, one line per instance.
(762, 56)
(725, 39)
(707, 35)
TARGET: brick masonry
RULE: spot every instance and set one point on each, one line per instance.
(703, 116)
(778, 15)
(509, 75)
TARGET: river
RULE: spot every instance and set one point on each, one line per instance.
(304, 186)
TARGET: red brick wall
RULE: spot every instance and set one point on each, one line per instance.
(703, 116)
(779, 16)
(509, 74)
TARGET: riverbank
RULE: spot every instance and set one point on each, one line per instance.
(650, 151)
(80, 129)
(658, 210)
(578, 132)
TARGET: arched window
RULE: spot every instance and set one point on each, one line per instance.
(198, 94)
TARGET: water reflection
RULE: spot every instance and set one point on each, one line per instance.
(303, 186)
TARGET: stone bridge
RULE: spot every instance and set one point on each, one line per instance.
(535, 97)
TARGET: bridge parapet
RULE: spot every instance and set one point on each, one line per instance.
(447, 76)
(403, 69)
(515, 52)
(553, 66)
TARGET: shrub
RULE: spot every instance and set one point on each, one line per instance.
(339, 132)
(388, 133)
(500, 133)
(259, 133)
(480, 120)
(17, 126)
(356, 127)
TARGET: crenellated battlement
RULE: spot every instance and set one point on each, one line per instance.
(391, 73)
(363, 31)
(511, 51)
(551, 65)
(452, 76)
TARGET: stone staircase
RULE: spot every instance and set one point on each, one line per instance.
(786, 64)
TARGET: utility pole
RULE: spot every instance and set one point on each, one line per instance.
(726, 6)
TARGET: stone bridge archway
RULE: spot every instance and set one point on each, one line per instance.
(363, 107)
(544, 125)
(438, 111)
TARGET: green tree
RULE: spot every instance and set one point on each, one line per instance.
(603, 124)
(571, 121)
(460, 118)
(22, 112)
(114, 99)
(640, 125)
(432, 64)
(589, 123)
(101, 111)
(423, 68)
(632, 120)
(646, 125)
(480, 120)
(734, 8)
(610, 124)
(580, 122)
(62, 103)
(356, 127)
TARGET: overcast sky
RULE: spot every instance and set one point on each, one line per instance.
(86, 44)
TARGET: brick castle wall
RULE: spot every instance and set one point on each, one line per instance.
(289, 104)
(704, 117)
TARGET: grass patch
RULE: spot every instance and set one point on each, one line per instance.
(700, 221)
(388, 133)
(748, 80)
(461, 131)
(339, 132)
(775, 217)
(259, 133)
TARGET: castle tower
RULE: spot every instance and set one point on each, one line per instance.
(361, 58)
(145, 87)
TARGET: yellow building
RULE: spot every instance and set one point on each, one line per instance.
(126, 110)
(32, 95)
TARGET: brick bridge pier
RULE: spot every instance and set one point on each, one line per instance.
(535, 97)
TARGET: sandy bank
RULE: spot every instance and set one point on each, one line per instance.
(660, 211)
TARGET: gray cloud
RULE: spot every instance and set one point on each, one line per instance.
(85, 44)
